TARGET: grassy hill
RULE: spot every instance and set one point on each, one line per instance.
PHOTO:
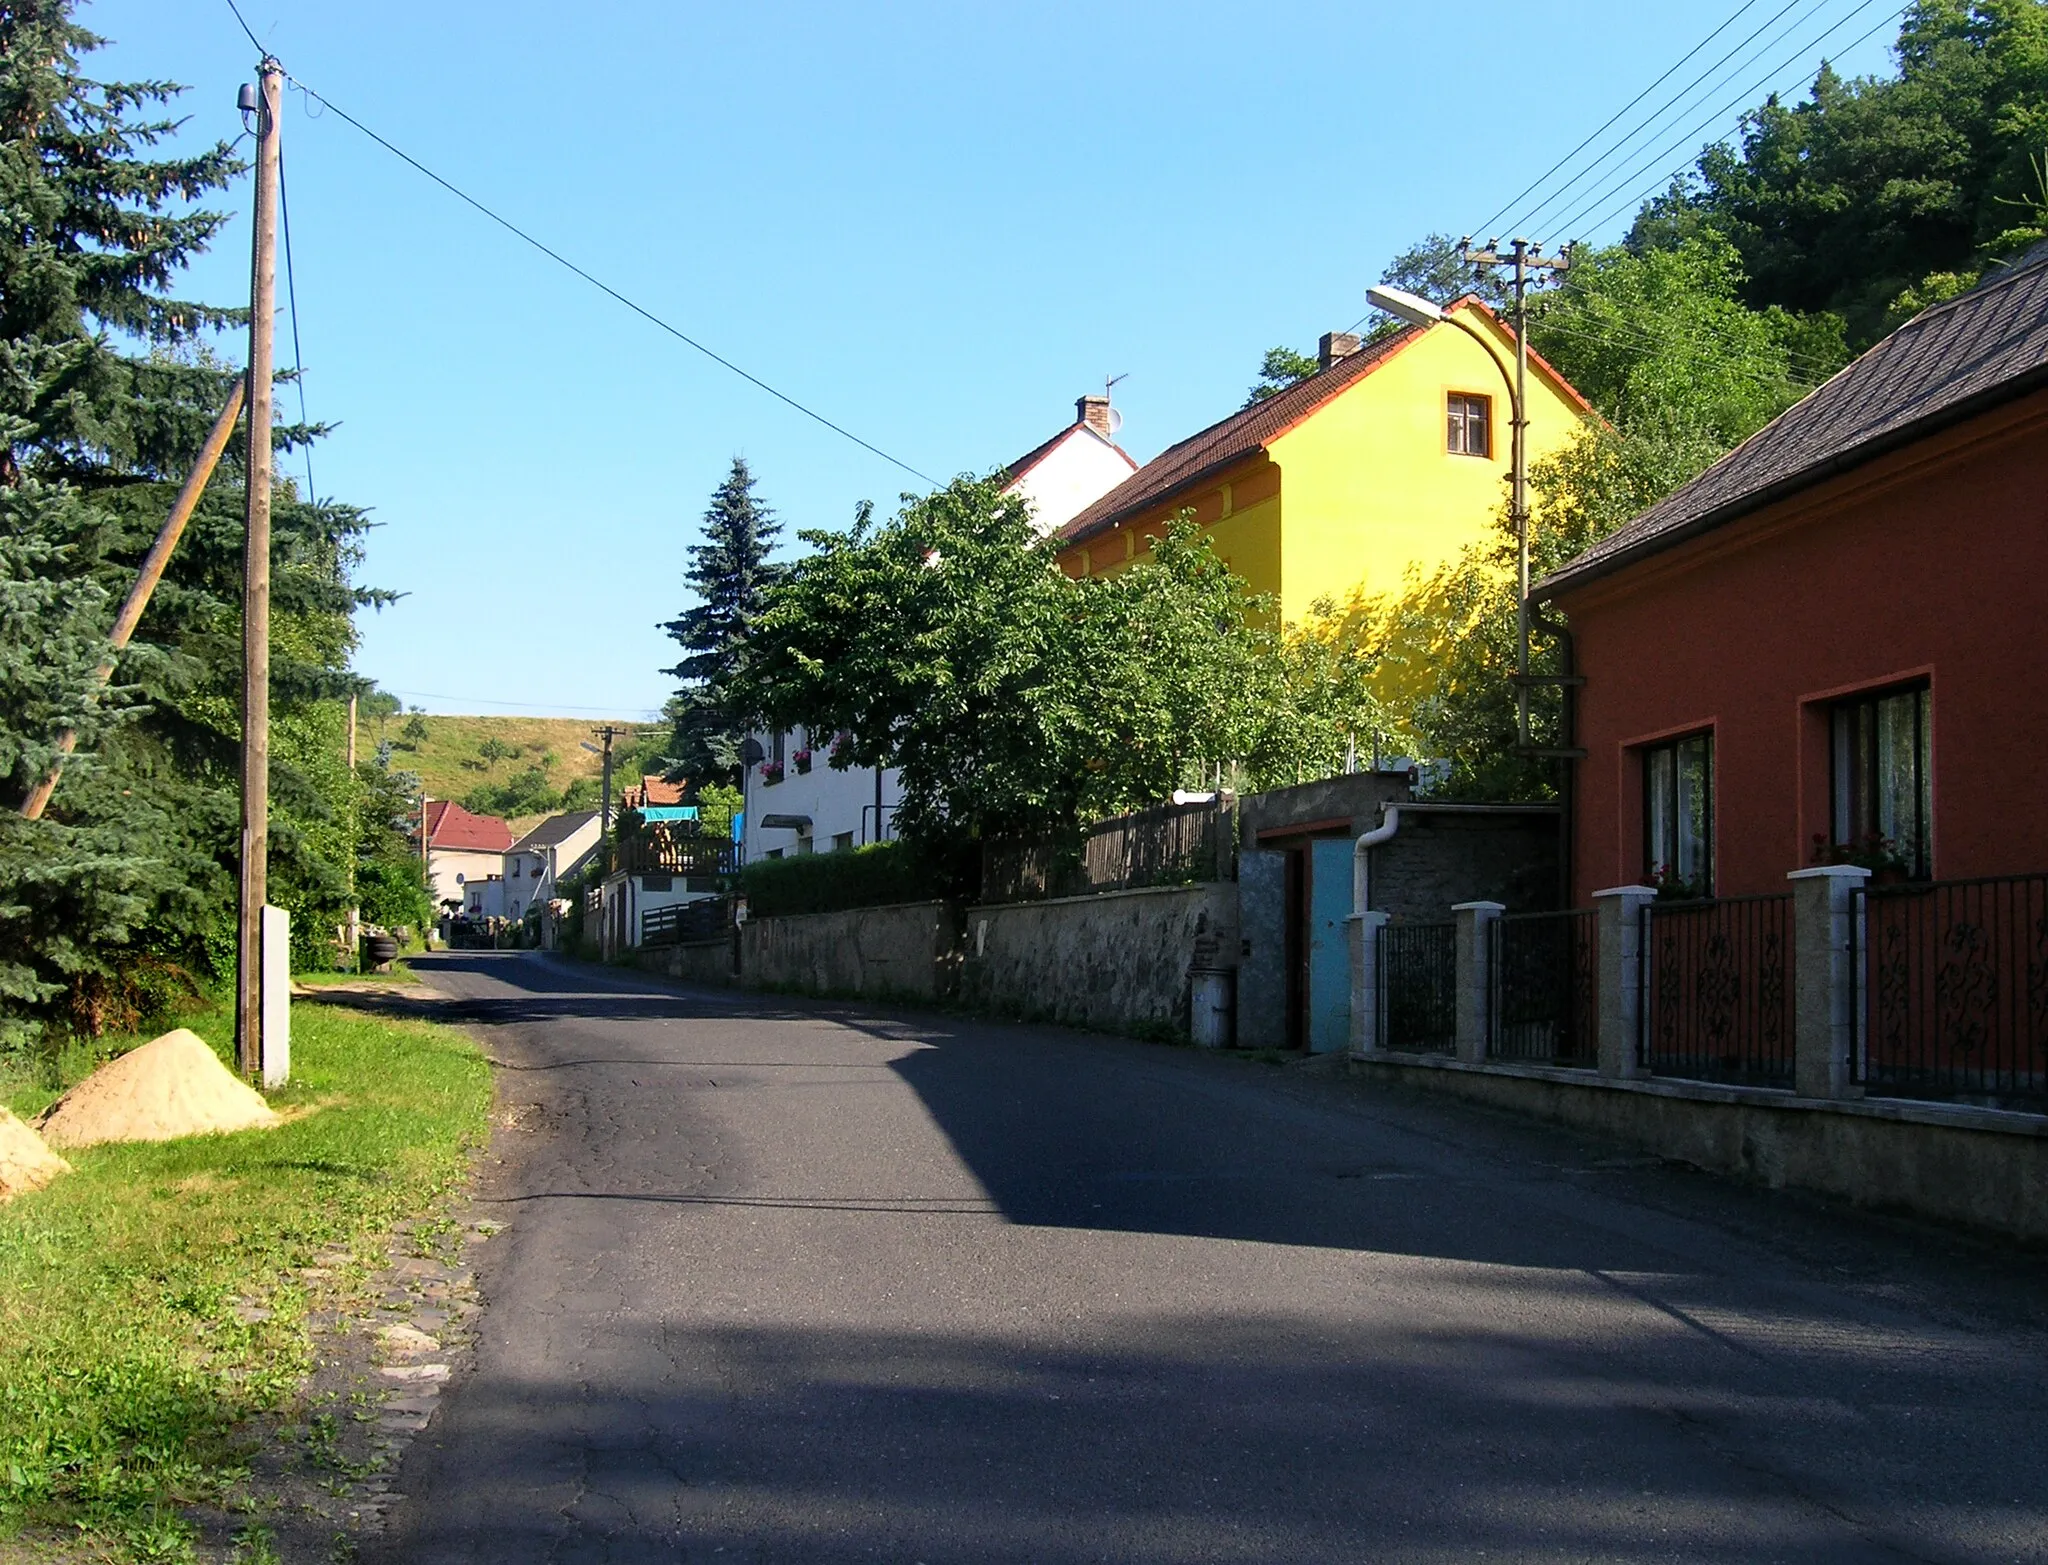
(450, 756)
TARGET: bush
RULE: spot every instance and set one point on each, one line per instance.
(873, 876)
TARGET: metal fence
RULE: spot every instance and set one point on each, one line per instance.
(1168, 845)
(1546, 993)
(1418, 973)
(1956, 990)
(679, 923)
(1719, 1000)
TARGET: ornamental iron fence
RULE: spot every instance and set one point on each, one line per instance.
(1956, 990)
(1167, 845)
(1546, 995)
(1718, 1005)
(1418, 973)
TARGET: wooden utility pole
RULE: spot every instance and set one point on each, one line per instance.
(352, 933)
(1523, 259)
(604, 810)
(256, 589)
(153, 565)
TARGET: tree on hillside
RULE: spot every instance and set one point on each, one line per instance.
(105, 393)
(1867, 189)
(728, 572)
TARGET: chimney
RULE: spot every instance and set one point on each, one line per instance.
(1335, 345)
(1094, 412)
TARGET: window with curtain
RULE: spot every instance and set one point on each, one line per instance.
(1470, 424)
(1678, 815)
(1883, 777)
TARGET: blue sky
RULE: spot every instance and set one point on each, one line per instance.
(936, 224)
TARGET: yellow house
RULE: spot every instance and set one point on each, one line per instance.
(1379, 468)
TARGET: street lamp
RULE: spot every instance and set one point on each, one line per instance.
(1418, 311)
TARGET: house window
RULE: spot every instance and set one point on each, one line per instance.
(1470, 420)
(842, 842)
(1883, 777)
(1678, 815)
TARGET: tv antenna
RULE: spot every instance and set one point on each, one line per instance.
(1116, 417)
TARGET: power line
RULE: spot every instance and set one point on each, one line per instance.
(1631, 180)
(439, 695)
(1515, 199)
(1713, 78)
(291, 291)
(603, 287)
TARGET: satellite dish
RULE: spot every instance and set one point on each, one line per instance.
(1116, 420)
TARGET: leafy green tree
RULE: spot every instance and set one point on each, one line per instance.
(729, 574)
(492, 751)
(1280, 368)
(391, 881)
(414, 733)
(1018, 703)
(1867, 189)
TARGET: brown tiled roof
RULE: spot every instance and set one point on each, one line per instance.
(1184, 467)
(1224, 444)
(452, 827)
(652, 790)
(1943, 366)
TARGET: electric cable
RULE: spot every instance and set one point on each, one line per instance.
(1513, 201)
(1641, 191)
(563, 261)
(1708, 83)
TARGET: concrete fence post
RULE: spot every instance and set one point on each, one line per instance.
(1475, 977)
(1364, 931)
(1824, 979)
(1622, 965)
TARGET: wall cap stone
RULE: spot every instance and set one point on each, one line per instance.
(1830, 872)
(1640, 892)
(1479, 907)
(1090, 896)
(1910, 1111)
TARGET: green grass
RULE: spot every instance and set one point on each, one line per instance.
(124, 1362)
(453, 741)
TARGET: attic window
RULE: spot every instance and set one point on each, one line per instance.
(1470, 424)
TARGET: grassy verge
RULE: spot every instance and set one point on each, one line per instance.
(151, 1301)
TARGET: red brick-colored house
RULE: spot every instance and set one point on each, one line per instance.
(1835, 635)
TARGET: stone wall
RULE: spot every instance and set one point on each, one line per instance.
(1118, 962)
(901, 952)
(1956, 1165)
(696, 961)
(1506, 855)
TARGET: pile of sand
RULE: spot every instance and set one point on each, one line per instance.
(25, 1163)
(172, 1086)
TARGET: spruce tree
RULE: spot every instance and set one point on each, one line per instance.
(107, 389)
(730, 574)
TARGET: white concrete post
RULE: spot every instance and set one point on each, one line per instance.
(1475, 977)
(1622, 965)
(1365, 981)
(277, 997)
(1824, 979)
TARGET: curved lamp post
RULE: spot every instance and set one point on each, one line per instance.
(1418, 311)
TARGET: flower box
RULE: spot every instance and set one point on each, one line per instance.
(802, 758)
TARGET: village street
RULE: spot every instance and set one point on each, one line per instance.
(788, 1281)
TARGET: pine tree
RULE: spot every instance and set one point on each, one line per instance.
(730, 574)
(106, 391)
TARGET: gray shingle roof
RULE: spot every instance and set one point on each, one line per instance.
(555, 829)
(1946, 364)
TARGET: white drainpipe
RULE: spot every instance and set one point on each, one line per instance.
(1390, 822)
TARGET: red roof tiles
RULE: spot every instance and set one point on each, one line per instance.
(451, 827)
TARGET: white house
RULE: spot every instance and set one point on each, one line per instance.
(462, 847)
(558, 847)
(796, 801)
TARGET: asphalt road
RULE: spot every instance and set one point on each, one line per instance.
(786, 1282)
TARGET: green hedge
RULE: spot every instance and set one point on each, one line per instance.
(873, 876)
